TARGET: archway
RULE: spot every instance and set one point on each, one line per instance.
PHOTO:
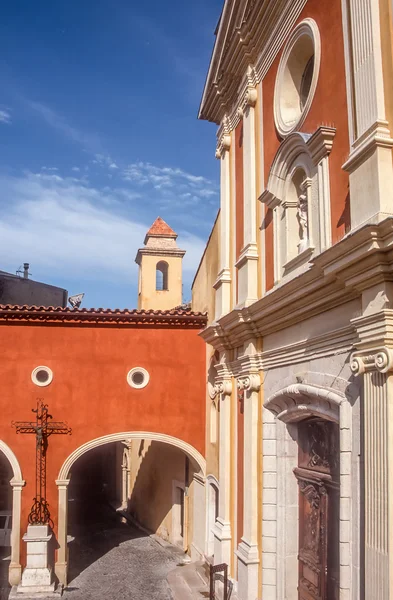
(307, 468)
(16, 483)
(194, 458)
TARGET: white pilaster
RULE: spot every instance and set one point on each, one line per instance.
(223, 282)
(15, 569)
(62, 552)
(222, 528)
(369, 162)
(247, 552)
(247, 263)
(376, 366)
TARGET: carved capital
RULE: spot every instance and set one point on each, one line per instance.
(251, 96)
(224, 388)
(376, 359)
(251, 383)
(224, 144)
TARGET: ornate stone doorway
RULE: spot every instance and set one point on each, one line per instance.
(317, 474)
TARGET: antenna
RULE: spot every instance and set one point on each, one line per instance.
(76, 300)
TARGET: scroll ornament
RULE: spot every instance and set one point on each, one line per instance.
(378, 359)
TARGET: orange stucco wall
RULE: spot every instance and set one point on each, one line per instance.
(329, 107)
(89, 389)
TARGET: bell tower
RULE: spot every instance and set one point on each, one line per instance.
(160, 268)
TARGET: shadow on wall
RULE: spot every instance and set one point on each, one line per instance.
(159, 475)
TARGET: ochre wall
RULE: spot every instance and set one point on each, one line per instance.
(149, 296)
(89, 389)
(203, 299)
(154, 468)
(329, 107)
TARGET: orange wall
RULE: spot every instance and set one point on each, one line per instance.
(240, 464)
(89, 389)
(329, 107)
(239, 189)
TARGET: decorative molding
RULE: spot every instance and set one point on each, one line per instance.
(301, 400)
(250, 383)
(374, 359)
(307, 27)
(320, 143)
(17, 479)
(377, 136)
(64, 473)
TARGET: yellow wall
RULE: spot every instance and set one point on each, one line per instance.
(149, 297)
(203, 299)
(154, 468)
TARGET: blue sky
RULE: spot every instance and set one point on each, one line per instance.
(99, 136)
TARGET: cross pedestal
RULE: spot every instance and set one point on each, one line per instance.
(37, 578)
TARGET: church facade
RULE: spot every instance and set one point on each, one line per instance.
(300, 347)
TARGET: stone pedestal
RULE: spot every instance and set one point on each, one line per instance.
(37, 577)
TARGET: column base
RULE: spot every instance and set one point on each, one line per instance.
(222, 542)
(61, 572)
(247, 266)
(247, 570)
(14, 574)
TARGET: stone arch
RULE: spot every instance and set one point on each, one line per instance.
(301, 400)
(17, 483)
(64, 474)
(283, 410)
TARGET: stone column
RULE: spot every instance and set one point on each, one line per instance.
(223, 282)
(248, 261)
(222, 528)
(369, 162)
(15, 569)
(376, 367)
(62, 552)
(247, 552)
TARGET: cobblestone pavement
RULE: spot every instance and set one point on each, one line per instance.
(115, 561)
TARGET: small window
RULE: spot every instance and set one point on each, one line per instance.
(162, 276)
(138, 377)
(42, 376)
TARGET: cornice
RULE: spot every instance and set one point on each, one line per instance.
(338, 275)
(40, 315)
(247, 36)
(159, 252)
(377, 136)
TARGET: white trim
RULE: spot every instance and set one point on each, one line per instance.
(211, 481)
(308, 28)
(138, 386)
(17, 483)
(130, 435)
(42, 383)
(291, 405)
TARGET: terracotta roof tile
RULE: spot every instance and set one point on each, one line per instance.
(102, 316)
(159, 227)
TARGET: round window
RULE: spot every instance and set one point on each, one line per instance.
(42, 376)
(138, 377)
(297, 77)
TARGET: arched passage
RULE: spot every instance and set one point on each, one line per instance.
(17, 484)
(64, 480)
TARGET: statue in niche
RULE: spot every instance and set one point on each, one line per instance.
(302, 217)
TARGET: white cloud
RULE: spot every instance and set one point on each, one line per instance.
(75, 169)
(65, 226)
(5, 117)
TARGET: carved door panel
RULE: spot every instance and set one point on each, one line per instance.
(318, 476)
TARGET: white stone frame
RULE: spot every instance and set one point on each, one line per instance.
(311, 154)
(138, 386)
(210, 481)
(280, 491)
(42, 383)
(63, 481)
(17, 483)
(308, 28)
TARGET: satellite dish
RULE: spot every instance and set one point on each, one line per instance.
(76, 300)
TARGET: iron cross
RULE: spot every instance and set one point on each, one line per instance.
(42, 429)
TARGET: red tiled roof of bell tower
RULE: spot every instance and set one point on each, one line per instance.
(160, 228)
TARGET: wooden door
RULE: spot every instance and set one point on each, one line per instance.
(318, 479)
